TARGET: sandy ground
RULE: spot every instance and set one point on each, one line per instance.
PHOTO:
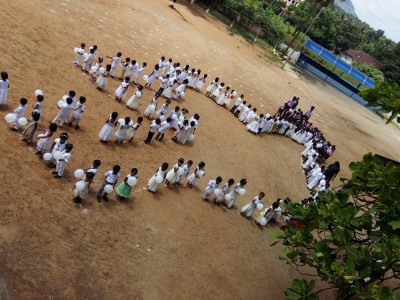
(172, 244)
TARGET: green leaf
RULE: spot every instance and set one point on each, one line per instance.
(395, 224)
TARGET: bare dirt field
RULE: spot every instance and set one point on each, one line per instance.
(170, 245)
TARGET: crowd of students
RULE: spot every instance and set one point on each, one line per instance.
(288, 121)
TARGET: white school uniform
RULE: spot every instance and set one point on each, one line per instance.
(121, 90)
(57, 147)
(19, 113)
(200, 83)
(114, 65)
(163, 110)
(186, 171)
(153, 185)
(244, 114)
(63, 115)
(3, 91)
(250, 208)
(133, 101)
(181, 88)
(131, 132)
(132, 69)
(151, 108)
(39, 107)
(152, 76)
(224, 190)
(254, 126)
(211, 87)
(124, 67)
(217, 91)
(101, 81)
(60, 166)
(79, 55)
(121, 132)
(77, 114)
(211, 186)
(250, 116)
(183, 135)
(172, 175)
(195, 176)
(44, 144)
(138, 74)
(88, 61)
(107, 130)
(221, 98)
(266, 125)
(170, 88)
(164, 127)
(167, 67)
(229, 98)
(234, 195)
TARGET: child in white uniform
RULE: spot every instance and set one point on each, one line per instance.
(250, 208)
(186, 171)
(78, 111)
(212, 185)
(114, 63)
(79, 54)
(226, 189)
(148, 113)
(196, 175)
(122, 131)
(130, 134)
(124, 67)
(132, 68)
(139, 72)
(133, 101)
(44, 140)
(62, 163)
(63, 115)
(235, 193)
(88, 61)
(163, 129)
(121, 90)
(173, 175)
(153, 185)
(19, 113)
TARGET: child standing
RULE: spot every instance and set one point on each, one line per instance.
(80, 195)
(124, 67)
(164, 109)
(108, 128)
(130, 134)
(122, 131)
(241, 107)
(249, 209)
(152, 76)
(237, 103)
(110, 178)
(58, 145)
(163, 129)
(155, 125)
(139, 72)
(62, 163)
(217, 91)
(235, 193)
(102, 80)
(124, 190)
(121, 90)
(211, 87)
(88, 61)
(4, 85)
(95, 70)
(27, 134)
(114, 63)
(245, 112)
(212, 185)
(148, 113)
(201, 82)
(133, 101)
(63, 115)
(170, 88)
(19, 113)
(173, 174)
(132, 68)
(153, 185)
(180, 89)
(167, 67)
(78, 111)
(39, 104)
(226, 189)
(44, 140)
(195, 176)
(186, 171)
(164, 82)
(79, 54)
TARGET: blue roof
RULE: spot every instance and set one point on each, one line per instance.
(340, 64)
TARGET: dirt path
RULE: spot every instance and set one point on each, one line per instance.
(172, 244)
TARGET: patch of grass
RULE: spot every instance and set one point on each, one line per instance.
(231, 33)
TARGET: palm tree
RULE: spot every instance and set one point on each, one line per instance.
(317, 5)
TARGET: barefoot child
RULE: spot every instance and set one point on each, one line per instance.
(19, 113)
(124, 67)
(63, 115)
(58, 145)
(121, 90)
(62, 163)
(122, 131)
(38, 107)
(102, 79)
(250, 208)
(124, 190)
(107, 130)
(234, 194)
(114, 63)
(195, 176)
(79, 53)
(186, 171)
(80, 195)
(139, 72)
(173, 174)
(130, 134)
(88, 61)
(28, 133)
(226, 189)
(152, 77)
(78, 111)
(148, 113)
(133, 101)
(212, 185)
(44, 140)
(154, 184)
